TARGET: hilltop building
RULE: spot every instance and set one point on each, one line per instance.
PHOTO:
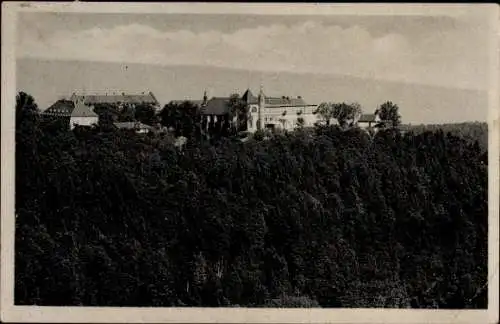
(263, 112)
(76, 112)
(85, 110)
(278, 112)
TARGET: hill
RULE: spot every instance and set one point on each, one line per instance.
(335, 219)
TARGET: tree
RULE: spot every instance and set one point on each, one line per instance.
(184, 118)
(145, 113)
(127, 114)
(388, 114)
(239, 109)
(347, 114)
(170, 116)
(27, 137)
(325, 111)
(26, 109)
(300, 122)
(106, 120)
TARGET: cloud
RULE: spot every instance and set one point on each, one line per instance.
(451, 58)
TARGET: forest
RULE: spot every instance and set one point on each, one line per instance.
(325, 217)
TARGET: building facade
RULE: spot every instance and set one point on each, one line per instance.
(279, 112)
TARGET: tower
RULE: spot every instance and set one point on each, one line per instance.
(262, 101)
(205, 98)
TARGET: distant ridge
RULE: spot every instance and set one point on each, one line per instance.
(243, 70)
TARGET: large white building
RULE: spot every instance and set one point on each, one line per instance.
(278, 112)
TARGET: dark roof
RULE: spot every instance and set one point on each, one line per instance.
(367, 118)
(249, 98)
(216, 106)
(132, 125)
(69, 108)
(60, 108)
(148, 98)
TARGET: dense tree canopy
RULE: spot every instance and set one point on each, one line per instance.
(472, 132)
(183, 118)
(146, 114)
(321, 218)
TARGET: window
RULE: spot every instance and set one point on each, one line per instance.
(254, 109)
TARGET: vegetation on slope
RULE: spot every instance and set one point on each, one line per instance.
(329, 219)
(471, 131)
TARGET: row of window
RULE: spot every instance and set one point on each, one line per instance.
(269, 111)
(283, 123)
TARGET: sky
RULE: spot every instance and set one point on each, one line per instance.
(426, 55)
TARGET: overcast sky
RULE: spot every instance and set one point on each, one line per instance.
(437, 50)
(448, 51)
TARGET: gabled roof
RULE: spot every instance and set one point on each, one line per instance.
(82, 110)
(367, 118)
(249, 98)
(68, 108)
(60, 108)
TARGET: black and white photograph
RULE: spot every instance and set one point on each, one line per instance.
(227, 157)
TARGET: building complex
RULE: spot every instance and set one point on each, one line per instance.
(262, 112)
(83, 110)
